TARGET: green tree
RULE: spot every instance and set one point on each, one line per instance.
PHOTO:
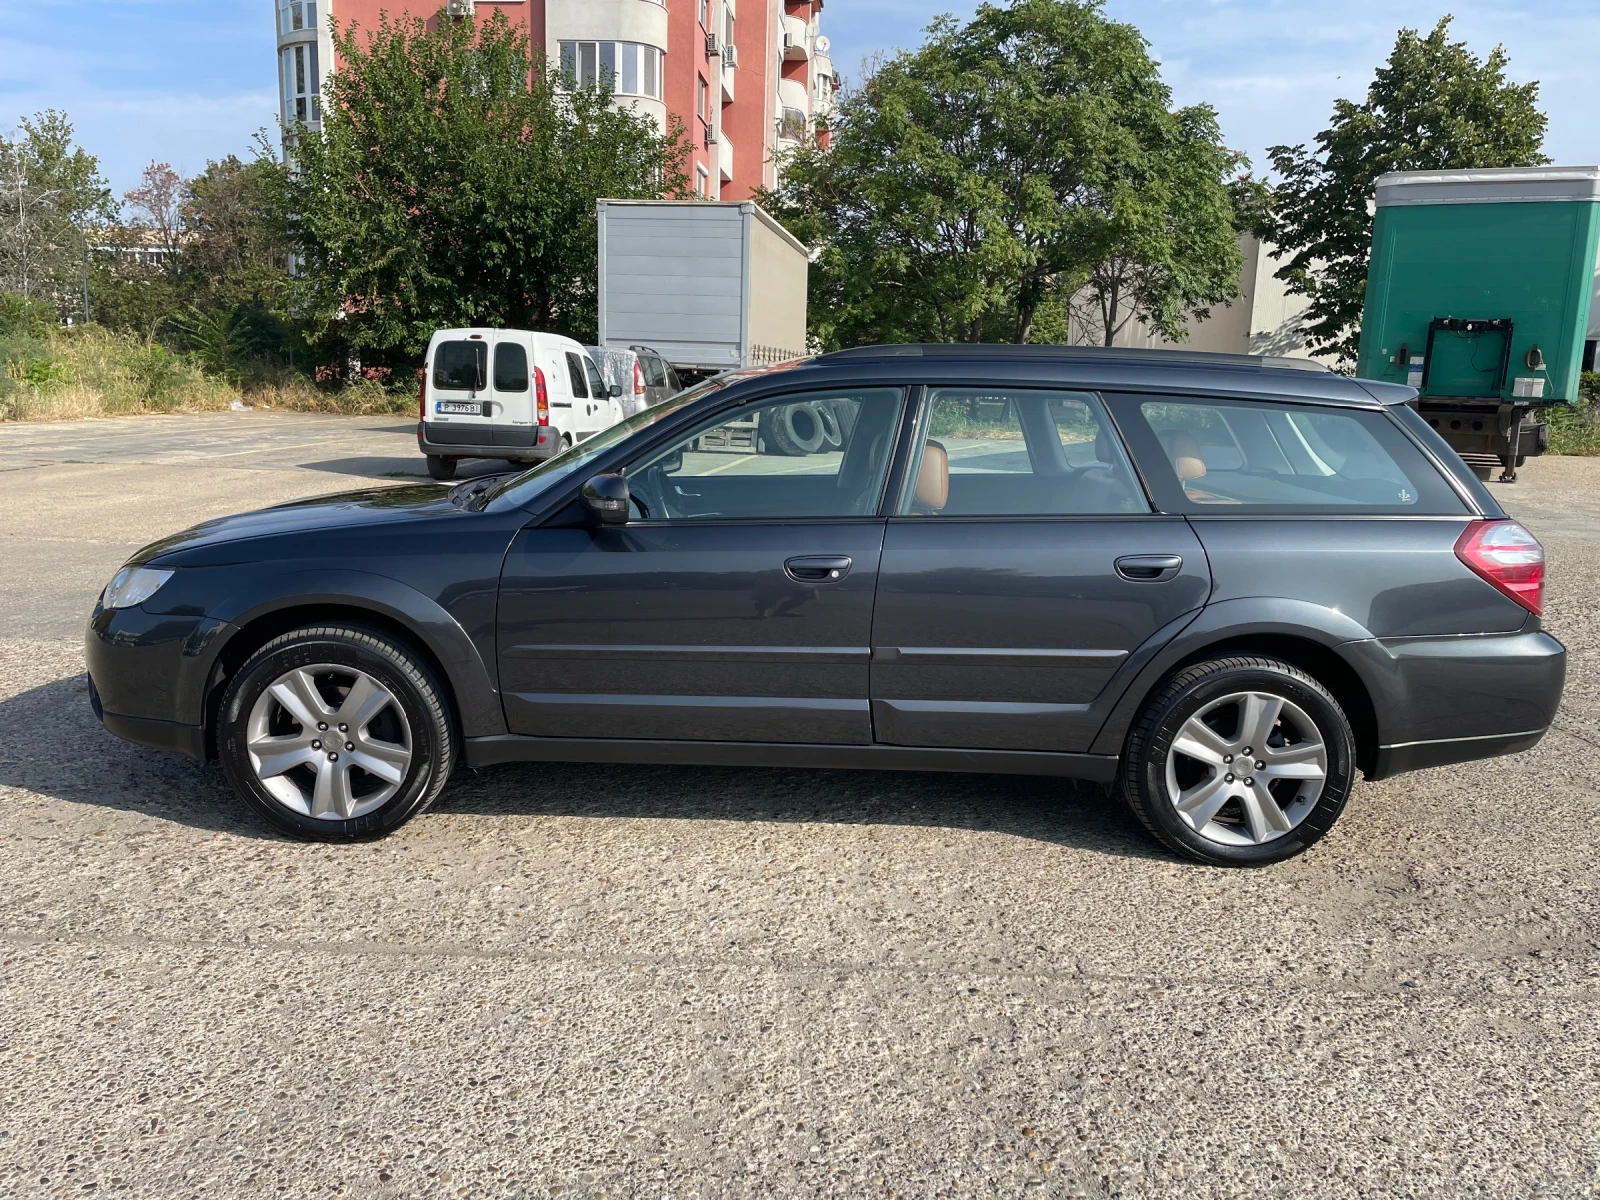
(51, 198)
(974, 187)
(1433, 106)
(454, 183)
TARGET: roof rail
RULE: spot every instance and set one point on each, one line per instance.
(1175, 358)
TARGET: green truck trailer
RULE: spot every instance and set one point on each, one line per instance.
(1478, 296)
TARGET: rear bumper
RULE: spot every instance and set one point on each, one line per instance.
(535, 443)
(1442, 700)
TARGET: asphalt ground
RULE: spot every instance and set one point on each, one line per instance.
(653, 982)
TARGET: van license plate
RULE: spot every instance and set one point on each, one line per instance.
(466, 408)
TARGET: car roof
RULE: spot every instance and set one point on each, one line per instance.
(1189, 372)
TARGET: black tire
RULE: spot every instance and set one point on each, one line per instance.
(390, 661)
(441, 468)
(792, 429)
(1143, 770)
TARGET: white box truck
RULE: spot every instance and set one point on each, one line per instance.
(708, 285)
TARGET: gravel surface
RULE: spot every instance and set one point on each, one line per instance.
(662, 982)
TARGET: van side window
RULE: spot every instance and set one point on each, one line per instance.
(1260, 457)
(597, 385)
(461, 366)
(580, 390)
(510, 367)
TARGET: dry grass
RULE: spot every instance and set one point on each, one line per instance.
(92, 372)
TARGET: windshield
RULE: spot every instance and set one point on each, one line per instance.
(520, 490)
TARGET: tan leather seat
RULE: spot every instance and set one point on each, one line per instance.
(1184, 451)
(933, 478)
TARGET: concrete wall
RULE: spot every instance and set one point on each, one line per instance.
(1264, 319)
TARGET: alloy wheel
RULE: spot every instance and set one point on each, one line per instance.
(329, 742)
(1246, 768)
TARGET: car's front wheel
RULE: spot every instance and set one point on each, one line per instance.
(1239, 761)
(336, 732)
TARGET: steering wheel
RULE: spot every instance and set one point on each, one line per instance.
(648, 491)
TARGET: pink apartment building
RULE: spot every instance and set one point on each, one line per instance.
(748, 78)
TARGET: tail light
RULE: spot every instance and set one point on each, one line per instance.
(541, 396)
(638, 379)
(1508, 557)
(422, 395)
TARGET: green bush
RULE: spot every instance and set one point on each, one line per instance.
(1575, 429)
(20, 315)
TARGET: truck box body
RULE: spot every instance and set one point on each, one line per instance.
(1491, 247)
(712, 286)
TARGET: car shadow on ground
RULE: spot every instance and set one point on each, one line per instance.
(51, 744)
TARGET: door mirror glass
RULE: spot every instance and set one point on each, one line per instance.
(616, 390)
(606, 498)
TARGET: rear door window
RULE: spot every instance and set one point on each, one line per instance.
(1219, 457)
(1017, 452)
(461, 366)
(510, 367)
(575, 371)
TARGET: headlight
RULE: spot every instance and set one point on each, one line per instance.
(133, 585)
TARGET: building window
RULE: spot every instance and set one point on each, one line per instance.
(302, 97)
(792, 125)
(631, 68)
(702, 99)
(295, 15)
(705, 14)
(727, 27)
(702, 183)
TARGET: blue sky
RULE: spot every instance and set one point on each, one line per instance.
(184, 80)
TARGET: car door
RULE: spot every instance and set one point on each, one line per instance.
(458, 391)
(581, 417)
(512, 401)
(735, 605)
(1023, 568)
(604, 411)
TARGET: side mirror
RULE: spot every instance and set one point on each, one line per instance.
(606, 498)
(616, 390)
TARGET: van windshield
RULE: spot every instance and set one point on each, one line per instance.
(519, 491)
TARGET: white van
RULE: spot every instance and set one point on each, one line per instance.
(508, 393)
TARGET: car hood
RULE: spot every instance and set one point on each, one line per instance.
(345, 510)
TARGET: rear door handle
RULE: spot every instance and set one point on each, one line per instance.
(1149, 568)
(818, 568)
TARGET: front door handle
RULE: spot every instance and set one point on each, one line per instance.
(818, 568)
(1149, 568)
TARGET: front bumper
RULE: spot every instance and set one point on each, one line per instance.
(1443, 700)
(534, 443)
(149, 675)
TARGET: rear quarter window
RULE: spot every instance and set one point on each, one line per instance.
(1236, 458)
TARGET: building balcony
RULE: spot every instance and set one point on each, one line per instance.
(727, 73)
(792, 93)
(796, 38)
(724, 157)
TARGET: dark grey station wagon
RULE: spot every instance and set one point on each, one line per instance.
(1223, 585)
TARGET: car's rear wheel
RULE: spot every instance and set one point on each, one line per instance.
(336, 732)
(1239, 761)
(441, 468)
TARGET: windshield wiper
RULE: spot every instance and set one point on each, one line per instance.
(465, 495)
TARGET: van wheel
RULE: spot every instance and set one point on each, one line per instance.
(441, 468)
(336, 732)
(1239, 761)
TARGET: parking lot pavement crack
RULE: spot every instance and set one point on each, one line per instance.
(1393, 983)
